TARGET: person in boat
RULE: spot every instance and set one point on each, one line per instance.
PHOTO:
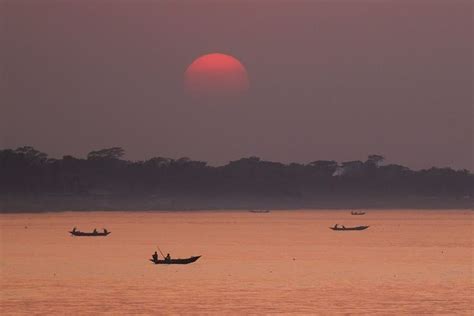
(95, 231)
(105, 231)
(155, 257)
(335, 226)
(74, 230)
(343, 227)
(168, 257)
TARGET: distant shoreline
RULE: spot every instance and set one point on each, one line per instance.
(43, 204)
(227, 210)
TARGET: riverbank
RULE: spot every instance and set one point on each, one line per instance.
(55, 203)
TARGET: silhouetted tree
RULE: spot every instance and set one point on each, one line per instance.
(375, 160)
(25, 171)
(106, 154)
(31, 155)
(325, 167)
(351, 168)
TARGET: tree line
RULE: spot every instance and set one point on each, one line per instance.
(27, 171)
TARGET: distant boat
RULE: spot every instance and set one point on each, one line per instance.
(176, 261)
(259, 211)
(357, 213)
(350, 228)
(91, 234)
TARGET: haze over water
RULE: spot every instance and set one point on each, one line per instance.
(407, 262)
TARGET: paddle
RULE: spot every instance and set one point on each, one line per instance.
(160, 251)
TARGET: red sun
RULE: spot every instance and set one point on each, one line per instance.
(216, 75)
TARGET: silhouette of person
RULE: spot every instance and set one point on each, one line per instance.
(335, 226)
(95, 230)
(155, 257)
(168, 257)
(105, 231)
(74, 230)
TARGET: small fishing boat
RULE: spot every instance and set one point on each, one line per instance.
(176, 261)
(259, 211)
(357, 213)
(350, 228)
(91, 234)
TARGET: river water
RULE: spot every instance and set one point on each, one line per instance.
(287, 262)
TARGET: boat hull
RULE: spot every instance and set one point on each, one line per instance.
(176, 261)
(83, 234)
(349, 228)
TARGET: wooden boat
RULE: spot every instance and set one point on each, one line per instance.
(92, 234)
(357, 213)
(259, 211)
(350, 228)
(176, 261)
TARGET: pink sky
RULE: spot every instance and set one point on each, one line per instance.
(329, 79)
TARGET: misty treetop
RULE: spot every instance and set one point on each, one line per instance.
(26, 170)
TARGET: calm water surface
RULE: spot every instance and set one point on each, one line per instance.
(407, 262)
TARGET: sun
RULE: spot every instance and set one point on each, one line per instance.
(216, 74)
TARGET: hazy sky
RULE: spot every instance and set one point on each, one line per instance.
(329, 79)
